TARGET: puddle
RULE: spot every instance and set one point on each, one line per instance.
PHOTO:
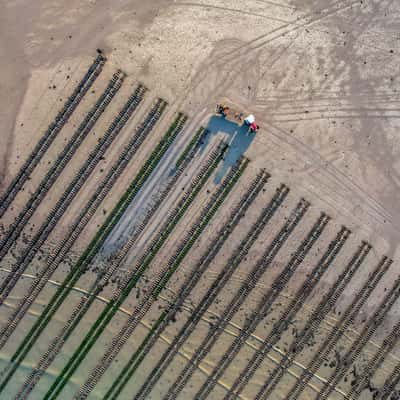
(238, 138)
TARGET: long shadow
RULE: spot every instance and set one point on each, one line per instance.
(238, 137)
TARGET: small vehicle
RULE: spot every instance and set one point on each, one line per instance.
(250, 121)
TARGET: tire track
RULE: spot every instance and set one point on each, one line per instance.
(331, 173)
(277, 33)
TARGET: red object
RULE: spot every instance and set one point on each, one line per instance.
(253, 126)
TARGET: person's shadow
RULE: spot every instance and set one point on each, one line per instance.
(239, 139)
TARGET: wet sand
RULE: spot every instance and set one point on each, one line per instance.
(321, 78)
